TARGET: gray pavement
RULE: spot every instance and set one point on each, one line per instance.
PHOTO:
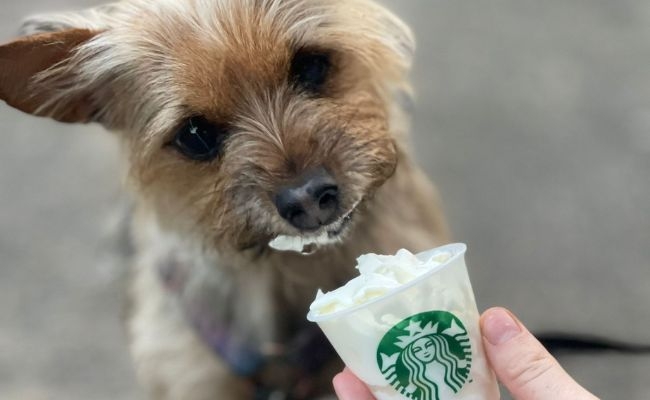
(533, 118)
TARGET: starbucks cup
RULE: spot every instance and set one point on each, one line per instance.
(420, 340)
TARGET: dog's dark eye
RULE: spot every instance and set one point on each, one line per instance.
(199, 139)
(310, 70)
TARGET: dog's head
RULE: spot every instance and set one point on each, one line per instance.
(244, 120)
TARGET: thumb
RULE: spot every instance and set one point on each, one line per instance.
(522, 364)
(349, 387)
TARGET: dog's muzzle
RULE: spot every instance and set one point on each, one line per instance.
(308, 243)
(312, 205)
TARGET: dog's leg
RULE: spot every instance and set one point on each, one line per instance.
(171, 362)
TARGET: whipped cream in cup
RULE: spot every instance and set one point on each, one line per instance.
(408, 327)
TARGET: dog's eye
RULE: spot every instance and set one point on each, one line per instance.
(310, 70)
(199, 139)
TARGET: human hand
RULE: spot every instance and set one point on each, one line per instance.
(519, 360)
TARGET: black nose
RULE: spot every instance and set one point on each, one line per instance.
(310, 203)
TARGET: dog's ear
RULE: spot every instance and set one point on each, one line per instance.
(21, 63)
(32, 67)
(382, 40)
(94, 19)
(393, 33)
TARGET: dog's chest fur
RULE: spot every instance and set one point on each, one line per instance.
(248, 310)
(252, 313)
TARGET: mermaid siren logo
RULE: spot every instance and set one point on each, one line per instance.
(427, 356)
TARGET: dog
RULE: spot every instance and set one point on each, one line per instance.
(267, 144)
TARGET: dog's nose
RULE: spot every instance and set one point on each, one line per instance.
(310, 203)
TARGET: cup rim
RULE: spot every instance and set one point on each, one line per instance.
(457, 250)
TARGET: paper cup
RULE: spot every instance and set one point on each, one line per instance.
(420, 341)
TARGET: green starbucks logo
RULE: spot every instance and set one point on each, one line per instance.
(427, 356)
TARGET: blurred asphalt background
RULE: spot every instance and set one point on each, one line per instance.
(533, 117)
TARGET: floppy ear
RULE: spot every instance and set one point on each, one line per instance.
(23, 60)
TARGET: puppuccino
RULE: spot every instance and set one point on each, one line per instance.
(408, 327)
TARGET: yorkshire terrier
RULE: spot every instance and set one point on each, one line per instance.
(267, 148)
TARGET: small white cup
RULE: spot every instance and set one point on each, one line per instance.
(420, 341)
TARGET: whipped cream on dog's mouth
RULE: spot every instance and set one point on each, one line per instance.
(309, 244)
(379, 275)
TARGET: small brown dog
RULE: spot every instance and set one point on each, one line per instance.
(267, 147)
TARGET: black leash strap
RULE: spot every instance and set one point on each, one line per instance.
(563, 343)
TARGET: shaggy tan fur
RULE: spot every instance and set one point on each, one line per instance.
(143, 67)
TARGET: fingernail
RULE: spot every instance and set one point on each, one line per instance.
(499, 326)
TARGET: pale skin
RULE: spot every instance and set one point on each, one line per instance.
(519, 360)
